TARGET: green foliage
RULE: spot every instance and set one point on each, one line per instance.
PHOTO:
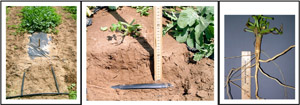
(72, 10)
(72, 91)
(143, 10)
(39, 19)
(113, 7)
(7, 10)
(195, 27)
(127, 29)
(261, 26)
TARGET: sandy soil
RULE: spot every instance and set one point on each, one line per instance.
(131, 62)
(39, 78)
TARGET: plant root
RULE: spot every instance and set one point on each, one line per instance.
(267, 75)
(276, 56)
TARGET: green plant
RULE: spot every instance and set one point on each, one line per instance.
(39, 19)
(7, 10)
(127, 29)
(195, 27)
(12, 26)
(72, 10)
(113, 7)
(72, 91)
(143, 10)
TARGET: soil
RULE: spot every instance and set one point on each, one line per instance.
(39, 78)
(131, 62)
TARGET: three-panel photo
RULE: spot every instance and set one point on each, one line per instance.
(97, 52)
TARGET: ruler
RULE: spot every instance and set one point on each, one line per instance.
(246, 75)
(157, 42)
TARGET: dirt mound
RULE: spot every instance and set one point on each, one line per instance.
(131, 62)
(39, 78)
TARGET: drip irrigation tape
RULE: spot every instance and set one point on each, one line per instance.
(56, 84)
(36, 94)
(39, 94)
(22, 83)
(143, 86)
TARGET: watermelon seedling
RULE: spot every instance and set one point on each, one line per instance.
(127, 29)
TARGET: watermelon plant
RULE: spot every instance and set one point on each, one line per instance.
(127, 29)
(72, 10)
(193, 26)
(72, 91)
(143, 10)
(39, 19)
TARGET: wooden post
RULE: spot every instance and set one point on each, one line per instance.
(246, 75)
(157, 42)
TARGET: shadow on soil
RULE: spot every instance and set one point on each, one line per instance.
(141, 40)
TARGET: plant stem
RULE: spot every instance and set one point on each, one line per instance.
(257, 56)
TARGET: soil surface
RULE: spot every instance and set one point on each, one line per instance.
(131, 62)
(39, 78)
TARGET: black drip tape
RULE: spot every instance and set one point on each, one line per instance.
(39, 94)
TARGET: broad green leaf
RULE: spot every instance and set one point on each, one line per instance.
(103, 28)
(209, 10)
(113, 7)
(187, 17)
(113, 27)
(198, 56)
(209, 32)
(198, 47)
(203, 23)
(182, 37)
(199, 35)
(191, 40)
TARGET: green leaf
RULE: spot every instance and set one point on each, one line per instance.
(172, 16)
(182, 36)
(191, 40)
(103, 28)
(203, 23)
(198, 47)
(209, 32)
(168, 27)
(209, 10)
(113, 7)
(113, 27)
(198, 56)
(210, 49)
(187, 17)
(199, 35)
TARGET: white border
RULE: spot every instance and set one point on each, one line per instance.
(252, 8)
(52, 101)
(84, 4)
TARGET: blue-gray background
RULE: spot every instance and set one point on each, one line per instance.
(236, 40)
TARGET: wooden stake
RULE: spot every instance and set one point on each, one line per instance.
(246, 75)
(157, 43)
